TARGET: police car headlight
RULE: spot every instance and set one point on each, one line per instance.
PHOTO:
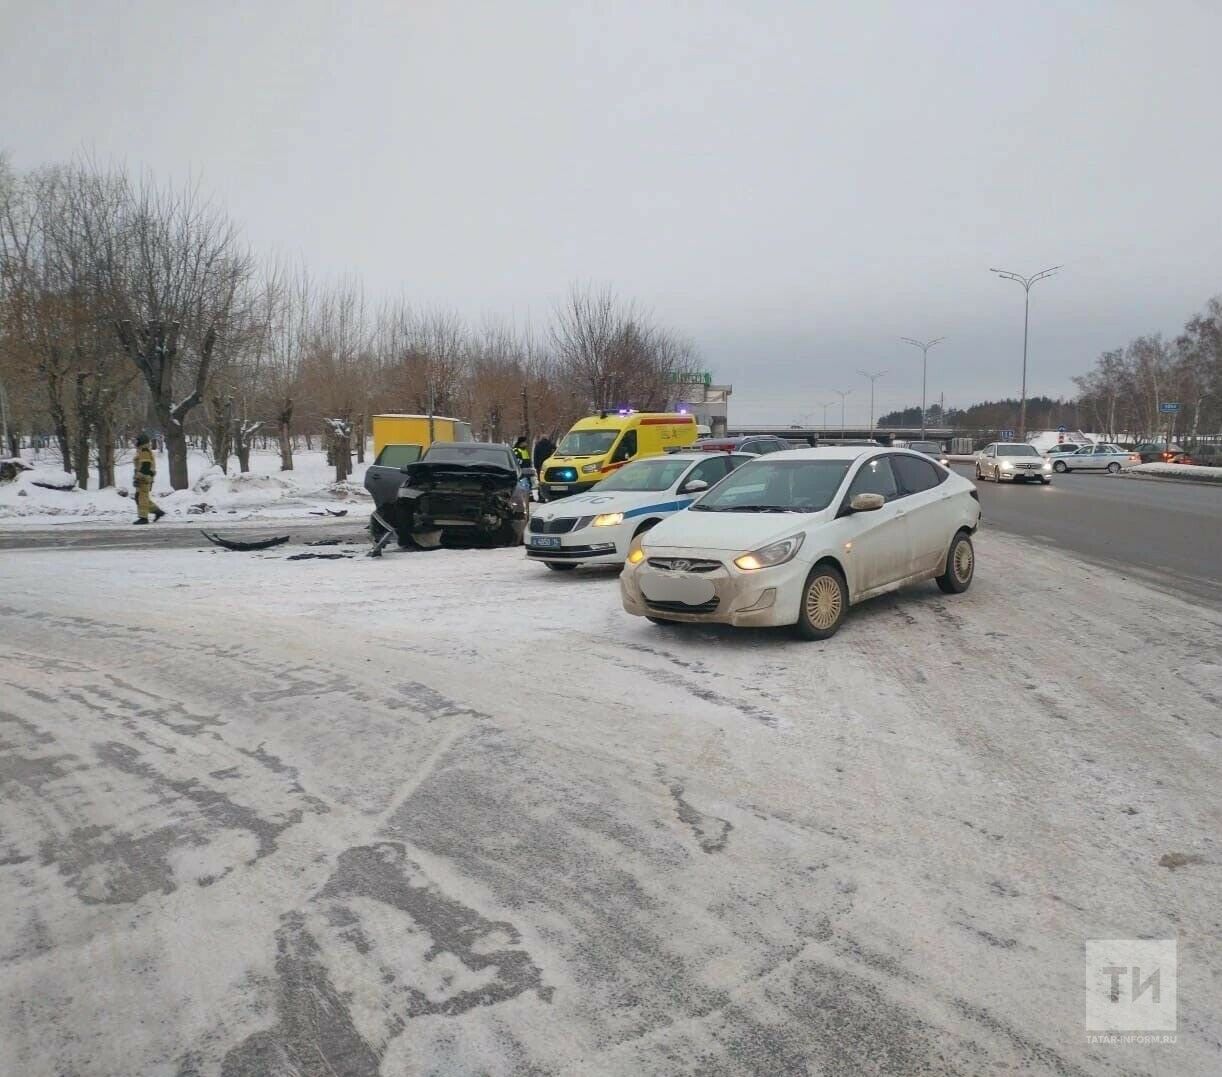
(608, 519)
(589, 469)
(775, 554)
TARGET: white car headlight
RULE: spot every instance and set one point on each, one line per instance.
(1047, 466)
(1006, 465)
(777, 553)
(608, 519)
(636, 555)
(589, 469)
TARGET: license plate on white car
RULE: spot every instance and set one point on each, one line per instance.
(548, 541)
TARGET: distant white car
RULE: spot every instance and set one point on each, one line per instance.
(597, 527)
(797, 537)
(1004, 461)
(1101, 457)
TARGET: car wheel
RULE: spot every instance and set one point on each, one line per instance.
(997, 475)
(825, 601)
(978, 475)
(1059, 467)
(1113, 467)
(560, 566)
(960, 565)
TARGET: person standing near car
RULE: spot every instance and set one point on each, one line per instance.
(544, 448)
(522, 451)
(145, 470)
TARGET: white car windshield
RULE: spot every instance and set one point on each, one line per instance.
(658, 473)
(775, 485)
(1016, 450)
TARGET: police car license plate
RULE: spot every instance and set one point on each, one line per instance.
(544, 540)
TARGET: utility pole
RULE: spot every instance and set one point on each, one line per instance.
(825, 407)
(872, 378)
(1026, 282)
(842, 395)
(924, 345)
(525, 415)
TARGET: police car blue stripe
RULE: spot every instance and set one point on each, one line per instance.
(666, 506)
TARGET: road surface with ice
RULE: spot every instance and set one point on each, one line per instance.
(449, 813)
(1166, 532)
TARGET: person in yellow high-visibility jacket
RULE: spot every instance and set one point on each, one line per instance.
(145, 470)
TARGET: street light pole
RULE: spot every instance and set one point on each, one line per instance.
(825, 407)
(924, 345)
(873, 378)
(1026, 282)
(842, 395)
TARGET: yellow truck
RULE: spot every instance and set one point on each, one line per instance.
(414, 430)
(601, 444)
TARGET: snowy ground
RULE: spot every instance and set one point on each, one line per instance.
(265, 492)
(448, 813)
(1177, 471)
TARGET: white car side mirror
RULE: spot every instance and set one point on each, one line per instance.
(694, 487)
(867, 502)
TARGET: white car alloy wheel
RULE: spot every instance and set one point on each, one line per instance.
(960, 565)
(997, 474)
(825, 601)
(1113, 467)
(1060, 467)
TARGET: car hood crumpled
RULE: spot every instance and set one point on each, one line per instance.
(734, 531)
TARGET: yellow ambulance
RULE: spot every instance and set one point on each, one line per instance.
(601, 444)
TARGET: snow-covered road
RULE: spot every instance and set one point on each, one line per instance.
(448, 813)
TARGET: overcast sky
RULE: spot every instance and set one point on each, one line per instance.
(792, 185)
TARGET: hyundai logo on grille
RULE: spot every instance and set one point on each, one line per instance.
(680, 566)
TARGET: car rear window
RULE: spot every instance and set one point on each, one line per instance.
(398, 455)
(915, 475)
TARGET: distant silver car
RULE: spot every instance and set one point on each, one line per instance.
(1102, 457)
(1004, 461)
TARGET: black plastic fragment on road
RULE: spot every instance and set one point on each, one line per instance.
(244, 547)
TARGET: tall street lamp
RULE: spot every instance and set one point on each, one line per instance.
(830, 404)
(873, 378)
(1026, 282)
(842, 395)
(924, 345)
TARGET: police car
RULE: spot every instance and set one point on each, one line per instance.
(597, 528)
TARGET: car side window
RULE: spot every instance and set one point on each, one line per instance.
(626, 449)
(766, 447)
(875, 477)
(711, 471)
(988, 450)
(915, 475)
(735, 460)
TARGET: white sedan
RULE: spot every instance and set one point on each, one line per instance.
(1004, 461)
(597, 528)
(797, 537)
(1102, 457)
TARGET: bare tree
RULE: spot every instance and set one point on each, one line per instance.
(174, 285)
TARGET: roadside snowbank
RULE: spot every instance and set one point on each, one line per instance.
(265, 491)
(1193, 472)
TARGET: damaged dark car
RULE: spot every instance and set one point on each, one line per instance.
(456, 494)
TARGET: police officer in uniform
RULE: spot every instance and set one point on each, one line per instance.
(522, 451)
(142, 478)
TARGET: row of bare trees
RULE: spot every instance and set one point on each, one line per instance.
(130, 305)
(1124, 391)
